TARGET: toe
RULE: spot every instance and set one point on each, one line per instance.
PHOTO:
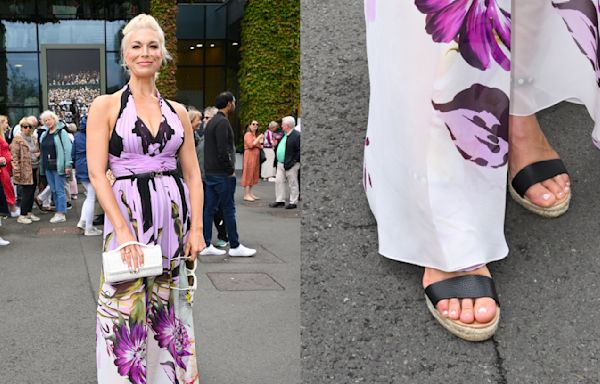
(442, 308)
(563, 181)
(554, 188)
(454, 309)
(466, 311)
(540, 195)
(485, 310)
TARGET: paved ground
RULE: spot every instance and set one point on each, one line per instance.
(246, 312)
(364, 317)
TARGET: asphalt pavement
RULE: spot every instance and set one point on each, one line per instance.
(364, 318)
(246, 310)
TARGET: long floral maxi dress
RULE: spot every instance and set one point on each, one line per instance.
(436, 150)
(145, 330)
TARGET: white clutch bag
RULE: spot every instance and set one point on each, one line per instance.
(116, 271)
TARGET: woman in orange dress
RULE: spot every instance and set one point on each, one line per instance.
(251, 168)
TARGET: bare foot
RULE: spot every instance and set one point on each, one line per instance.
(527, 145)
(468, 311)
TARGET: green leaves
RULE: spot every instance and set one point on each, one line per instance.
(165, 12)
(269, 72)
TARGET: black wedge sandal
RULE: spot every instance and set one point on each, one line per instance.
(464, 287)
(533, 174)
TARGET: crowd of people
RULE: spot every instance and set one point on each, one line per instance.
(44, 155)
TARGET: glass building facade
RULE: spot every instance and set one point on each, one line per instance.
(56, 52)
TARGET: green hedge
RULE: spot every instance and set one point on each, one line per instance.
(165, 12)
(269, 74)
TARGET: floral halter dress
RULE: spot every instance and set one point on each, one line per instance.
(145, 331)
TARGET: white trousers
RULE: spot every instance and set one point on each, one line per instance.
(287, 179)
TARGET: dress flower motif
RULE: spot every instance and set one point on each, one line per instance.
(477, 119)
(171, 334)
(481, 29)
(581, 18)
(130, 351)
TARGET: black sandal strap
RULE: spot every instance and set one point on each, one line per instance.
(462, 287)
(536, 173)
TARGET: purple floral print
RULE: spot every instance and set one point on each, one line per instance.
(477, 119)
(480, 27)
(581, 18)
(130, 351)
(171, 334)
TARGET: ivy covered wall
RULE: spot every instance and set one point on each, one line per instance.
(269, 73)
(165, 12)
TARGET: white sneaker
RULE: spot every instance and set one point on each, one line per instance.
(81, 225)
(58, 218)
(33, 217)
(241, 251)
(212, 251)
(93, 231)
(23, 220)
(4, 242)
(15, 213)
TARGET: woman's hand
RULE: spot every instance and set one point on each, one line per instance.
(195, 244)
(2, 160)
(131, 255)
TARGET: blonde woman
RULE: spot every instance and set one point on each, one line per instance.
(145, 331)
(25, 153)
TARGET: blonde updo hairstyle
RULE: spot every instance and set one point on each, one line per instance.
(143, 21)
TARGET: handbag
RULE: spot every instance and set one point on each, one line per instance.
(263, 156)
(116, 271)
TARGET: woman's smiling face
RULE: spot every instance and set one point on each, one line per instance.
(143, 55)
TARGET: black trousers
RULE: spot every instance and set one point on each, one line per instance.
(27, 194)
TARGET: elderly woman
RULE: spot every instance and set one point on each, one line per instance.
(25, 153)
(145, 329)
(56, 161)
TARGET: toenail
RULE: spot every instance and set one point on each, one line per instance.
(482, 310)
(546, 196)
(452, 313)
(567, 188)
(560, 194)
(445, 313)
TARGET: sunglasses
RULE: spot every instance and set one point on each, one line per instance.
(206, 117)
(25, 126)
(189, 267)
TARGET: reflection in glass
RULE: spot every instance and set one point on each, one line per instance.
(116, 77)
(190, 21)
(72, 32)
(22, 79)
(216, 21)
(13, 9)
(190, 81)
(114, 35)
(215, 83)
(190, 52)
(18, 36)
(215, 52)
(15, 114)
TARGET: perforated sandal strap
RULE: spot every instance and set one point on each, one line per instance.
(462, 287)
(536, 173)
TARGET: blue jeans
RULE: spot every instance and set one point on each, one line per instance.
(57, 186)
(220, 190)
